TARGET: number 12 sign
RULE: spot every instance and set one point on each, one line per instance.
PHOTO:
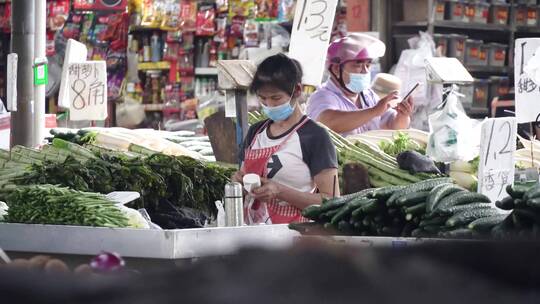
(497, 147)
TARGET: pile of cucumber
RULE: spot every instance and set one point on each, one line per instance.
(431, 208)
(524, 219)
(453, 212)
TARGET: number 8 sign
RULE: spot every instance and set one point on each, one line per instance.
(497, 147)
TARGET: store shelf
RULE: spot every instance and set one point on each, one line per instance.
(411, 24)
(206, 71)
(528, 29)
(477, 113)
(161, 65)
(471, 26)
(487, 69)
(154, 107)
(159, 107)
(143, 29)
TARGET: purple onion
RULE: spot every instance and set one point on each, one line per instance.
(107, 262)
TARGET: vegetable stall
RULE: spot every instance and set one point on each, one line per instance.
(62, 192)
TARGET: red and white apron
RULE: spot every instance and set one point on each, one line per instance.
(256, 161)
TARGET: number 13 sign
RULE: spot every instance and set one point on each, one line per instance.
(497, 147)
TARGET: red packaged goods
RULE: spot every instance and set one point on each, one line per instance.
(237, 26)
(206, 20)
(188, 16)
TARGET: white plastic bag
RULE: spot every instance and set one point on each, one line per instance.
(411, 69)
(3, 210)
(453, 135)
(2, 108)
(257, 212)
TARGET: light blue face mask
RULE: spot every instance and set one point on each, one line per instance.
(359, 82)
(279, 113)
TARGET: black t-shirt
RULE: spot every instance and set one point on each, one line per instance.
(307, 152)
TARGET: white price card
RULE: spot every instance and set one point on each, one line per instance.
(497, 147)
(75, 52)
(527, 88)
(312, 28)
(87, 90)
(12, 64)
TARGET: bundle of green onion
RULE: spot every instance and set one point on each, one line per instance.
(48, 204)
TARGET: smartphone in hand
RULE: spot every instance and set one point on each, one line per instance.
(409, 93)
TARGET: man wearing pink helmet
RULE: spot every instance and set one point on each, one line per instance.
(345, 103)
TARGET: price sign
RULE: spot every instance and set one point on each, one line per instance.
(527, 89)
(312, 28)
(87, 90)
(497, 147)
(75, 52)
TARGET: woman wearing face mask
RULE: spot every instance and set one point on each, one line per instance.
(345, 103)
(292, 154)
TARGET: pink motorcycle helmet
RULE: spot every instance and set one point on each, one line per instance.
(354, 47)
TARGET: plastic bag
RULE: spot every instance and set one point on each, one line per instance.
(2, 107)
(256, 212)
(3, 210)
(453, 135)
(411, 69)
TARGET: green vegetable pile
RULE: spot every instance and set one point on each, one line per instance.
(48, 204)
(161, 179)
(382, 168)
(402, 142)
(524, 219)
(430, 208)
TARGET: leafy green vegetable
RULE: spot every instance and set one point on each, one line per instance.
(181, 181)
(402, 142)
(475, 163)
(48, 204)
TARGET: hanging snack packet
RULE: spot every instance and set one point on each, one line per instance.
(237, 26)
(159, 12)
(148, 14)
(188, 16)
(171, 16)
(205, 20)
(286, 10)
(222, 6)
(251, 33)
(221, 29)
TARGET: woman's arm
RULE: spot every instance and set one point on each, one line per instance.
(346, 121)
(324, 181)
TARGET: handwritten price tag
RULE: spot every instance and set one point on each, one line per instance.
(527, 90)
(497, 147)
(88, 90)
(312, 27)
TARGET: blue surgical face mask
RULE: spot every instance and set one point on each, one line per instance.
(279, 113)
(358, 82)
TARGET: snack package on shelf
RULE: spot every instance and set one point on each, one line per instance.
(189, 16)
(206, 16)
(251, 33)
(237, 26)
(286, 10)
(148, 18)
(266, 9)
(57, 14)
(221, 29)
